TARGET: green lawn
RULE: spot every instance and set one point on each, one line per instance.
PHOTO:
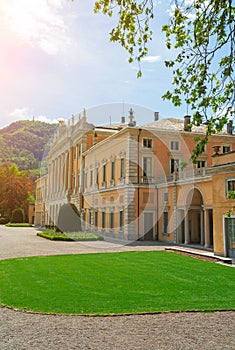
(116, 283)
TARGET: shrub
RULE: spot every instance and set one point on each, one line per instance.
(18, 216)
(3, 221)
(69, 236)
(9, 224)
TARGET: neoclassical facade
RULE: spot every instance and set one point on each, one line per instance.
(137, 182)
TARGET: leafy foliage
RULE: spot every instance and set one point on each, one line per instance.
(203, 34)
(133, 29)
(24, 224)
(23, 143)
(15, 187)
(231, 195)
(18, 216)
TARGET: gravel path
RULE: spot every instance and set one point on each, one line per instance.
(28, 331)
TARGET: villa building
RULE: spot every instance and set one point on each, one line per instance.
(137, 182)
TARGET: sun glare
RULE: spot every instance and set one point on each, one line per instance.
(37, 22)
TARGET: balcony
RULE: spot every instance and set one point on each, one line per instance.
(104, 184)
(147, 179)
(182, 175)
(122, 181)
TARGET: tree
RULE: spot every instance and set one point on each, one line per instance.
(203, 34)
(15, 187)
(18, 216)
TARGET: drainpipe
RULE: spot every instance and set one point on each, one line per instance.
(138, 188)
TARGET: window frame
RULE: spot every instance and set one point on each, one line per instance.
(226, 146)
(172, 162)
(103, 220)
(232, 179)
(104, 172)
(147, 143)
(199, 164)
(112, 170)
(111, 220)
(91, 177)
(174, 145)
(121, 220)
(165, 223)
(122, 168)
(145, 171)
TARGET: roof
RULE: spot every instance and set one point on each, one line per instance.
(173, 124)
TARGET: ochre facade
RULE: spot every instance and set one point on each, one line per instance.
(131, 182)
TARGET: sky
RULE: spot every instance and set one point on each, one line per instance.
(56, 59)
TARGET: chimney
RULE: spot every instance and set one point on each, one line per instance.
(123, 120)
(156, 116)
(230, 127)
(187, 121)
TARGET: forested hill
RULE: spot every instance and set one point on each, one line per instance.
(24, 142)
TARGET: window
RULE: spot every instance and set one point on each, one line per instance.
(230, 186)
(112, 170)
(147, 166)
(174, 145)
(111, 220)
(97, 176)
(122, 172)
(91, 177)
(85, 180)
(104, 172)
(174, 165)
(90, 217)
(103, 219)
(96, 219)
(165, 222)
(201, 164)
(121, 219)
(147, 143)
(78, 151)
(226, 149)
(165, 197)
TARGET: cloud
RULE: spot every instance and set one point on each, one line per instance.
(25, 113)
(39, 23)
(151, 59)
(20, 113)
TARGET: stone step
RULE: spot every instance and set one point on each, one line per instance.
(207, 255)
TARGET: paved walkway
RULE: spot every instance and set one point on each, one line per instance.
(22, 242)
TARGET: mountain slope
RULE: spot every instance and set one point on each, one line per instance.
(24, 142)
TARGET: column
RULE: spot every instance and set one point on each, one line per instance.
(186, 228)
(202, 227)
(206, 228)
(70, 169)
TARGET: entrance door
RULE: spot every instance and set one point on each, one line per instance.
(230, 236)
(148, 226)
